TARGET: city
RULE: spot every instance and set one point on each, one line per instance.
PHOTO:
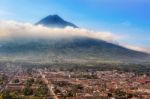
(18, 82)
(74, 49)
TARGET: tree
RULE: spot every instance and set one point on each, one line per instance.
(6, 95)
(70, 94)
(57, 91)
(41, 91)
(109, 94)
(79, 87)
(129, 95)
(29, 82)
(120, 94)
(2, 79)
(16, 81)
(27, 91)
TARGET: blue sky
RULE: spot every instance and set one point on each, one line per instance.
(122, 17)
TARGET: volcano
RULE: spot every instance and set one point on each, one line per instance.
(55, 21)
(77, 49)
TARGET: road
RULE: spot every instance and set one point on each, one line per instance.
(49, 85)
(3, 87)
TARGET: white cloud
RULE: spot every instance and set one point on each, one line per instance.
(13, 29)
(138, 48)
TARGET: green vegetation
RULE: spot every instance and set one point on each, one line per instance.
(27, 91)
(9, 95)
(138, 68)
(70, 94)
(29, 82)
(2, 79)
(41, 91)
(109, 95)
(6, 95)
(16, 80)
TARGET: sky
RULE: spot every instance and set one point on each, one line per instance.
(128, 18)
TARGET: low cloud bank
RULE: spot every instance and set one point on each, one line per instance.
(138, 48)
(13, 29)
(10, 30)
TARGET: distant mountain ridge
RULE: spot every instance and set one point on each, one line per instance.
(55, 21)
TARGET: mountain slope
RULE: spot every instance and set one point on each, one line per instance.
(71, 48)
(79, 48)
(55, 21)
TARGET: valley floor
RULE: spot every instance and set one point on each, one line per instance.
(48, 82)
